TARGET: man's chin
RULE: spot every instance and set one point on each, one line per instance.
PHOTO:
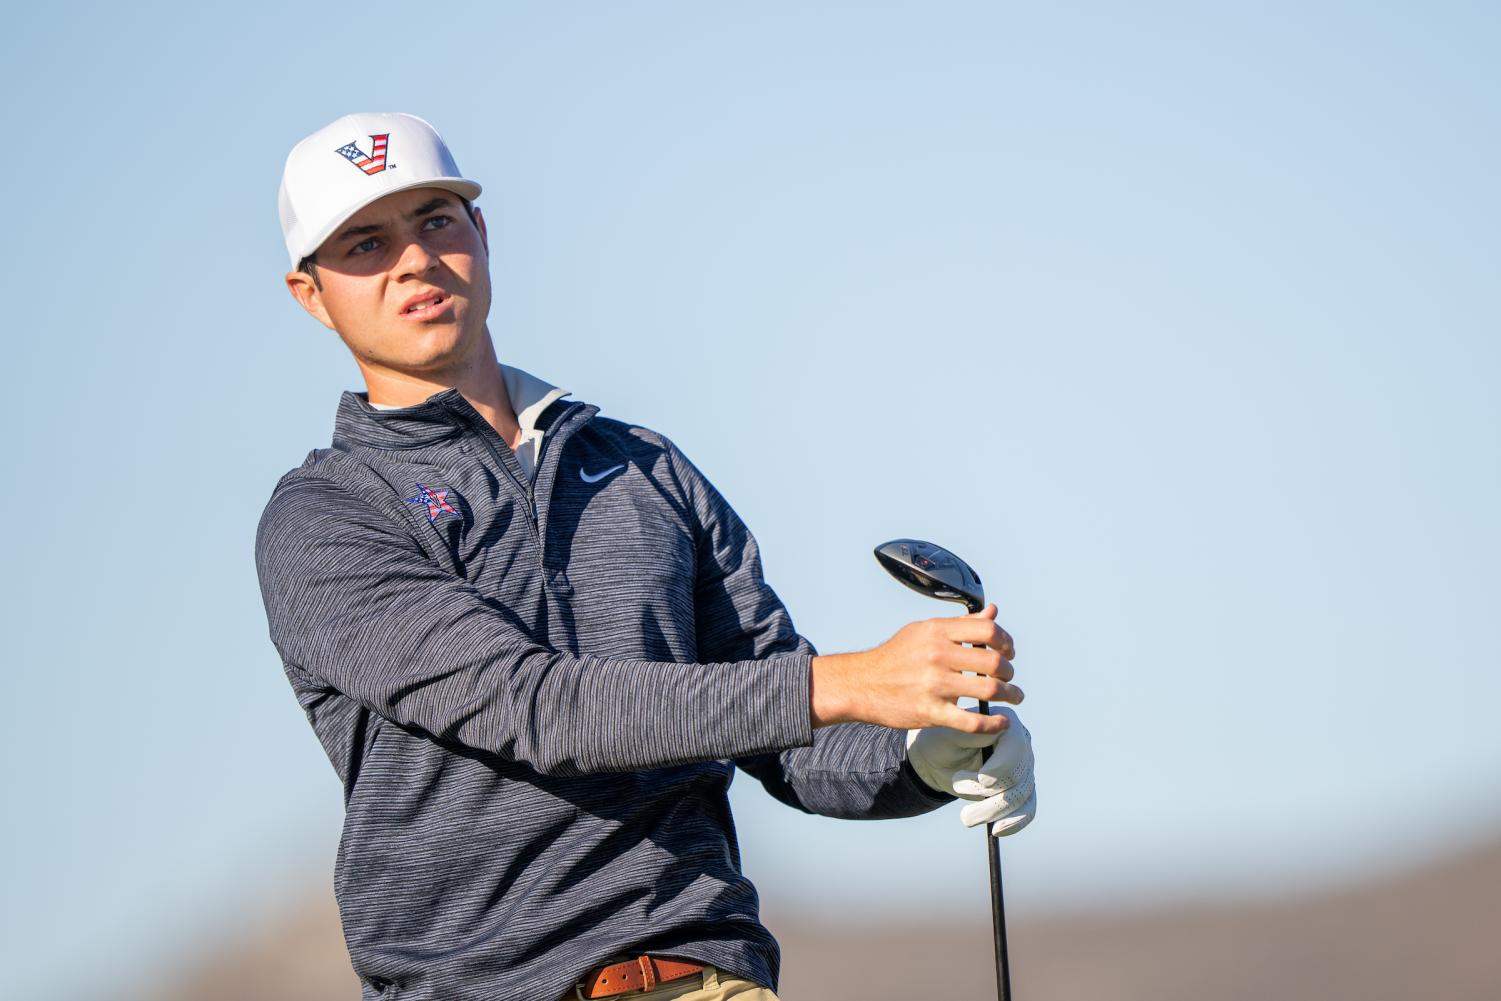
(425, 349)
(433, 343)
(445, 360)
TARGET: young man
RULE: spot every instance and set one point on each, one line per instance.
(536, 644)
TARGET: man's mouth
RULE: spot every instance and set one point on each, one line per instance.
(426, 305)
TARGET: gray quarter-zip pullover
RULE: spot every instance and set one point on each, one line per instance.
(536, 691)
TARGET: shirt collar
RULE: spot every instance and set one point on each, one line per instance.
(529, 396)
(382, 425)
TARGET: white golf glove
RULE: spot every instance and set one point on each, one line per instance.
(1000, 785)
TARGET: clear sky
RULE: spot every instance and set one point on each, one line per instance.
(1178, 321)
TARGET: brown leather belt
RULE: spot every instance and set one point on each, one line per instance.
(634, 976)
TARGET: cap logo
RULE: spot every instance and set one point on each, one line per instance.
(372, 164)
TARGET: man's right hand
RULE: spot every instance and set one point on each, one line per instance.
(914, 679)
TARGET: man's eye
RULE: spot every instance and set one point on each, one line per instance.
(365, 246)
(439, 221)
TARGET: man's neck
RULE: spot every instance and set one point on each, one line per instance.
(478, 380)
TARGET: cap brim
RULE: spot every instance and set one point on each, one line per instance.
(458, 185)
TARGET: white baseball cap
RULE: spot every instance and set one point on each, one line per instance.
(351, 162)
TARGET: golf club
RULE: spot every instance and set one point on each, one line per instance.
(938, 573)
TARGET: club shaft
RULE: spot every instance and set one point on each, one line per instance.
(997, 906)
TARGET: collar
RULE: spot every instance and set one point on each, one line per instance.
(358, 421)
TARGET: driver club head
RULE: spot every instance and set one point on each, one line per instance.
(933, 571)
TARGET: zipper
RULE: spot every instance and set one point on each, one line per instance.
(526, 489)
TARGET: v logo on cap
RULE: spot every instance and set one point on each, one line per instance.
(372, 164)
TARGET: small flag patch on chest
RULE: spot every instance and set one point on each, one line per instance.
(436, 501)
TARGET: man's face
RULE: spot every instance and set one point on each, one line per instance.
(406, 282)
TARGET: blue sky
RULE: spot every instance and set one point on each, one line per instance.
(1177, 321)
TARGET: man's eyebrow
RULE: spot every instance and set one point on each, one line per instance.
(430, 206)
(357, 231)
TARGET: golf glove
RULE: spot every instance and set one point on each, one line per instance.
(999, 785)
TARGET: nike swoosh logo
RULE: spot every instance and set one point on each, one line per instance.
(597, 476)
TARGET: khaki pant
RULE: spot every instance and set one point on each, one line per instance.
(710, 985)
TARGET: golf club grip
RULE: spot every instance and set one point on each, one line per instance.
(997, 901)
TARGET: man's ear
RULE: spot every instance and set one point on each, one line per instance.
(479, 224)
(300, 284)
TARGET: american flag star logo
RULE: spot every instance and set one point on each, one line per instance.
(372, 164)
(436, 501)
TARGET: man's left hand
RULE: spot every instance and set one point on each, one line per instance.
(1000, 785)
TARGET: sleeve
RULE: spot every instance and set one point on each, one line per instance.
(855, 771)
(354, 605)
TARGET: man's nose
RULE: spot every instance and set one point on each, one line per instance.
(415, 259)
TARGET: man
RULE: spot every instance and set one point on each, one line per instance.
(536, 643)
